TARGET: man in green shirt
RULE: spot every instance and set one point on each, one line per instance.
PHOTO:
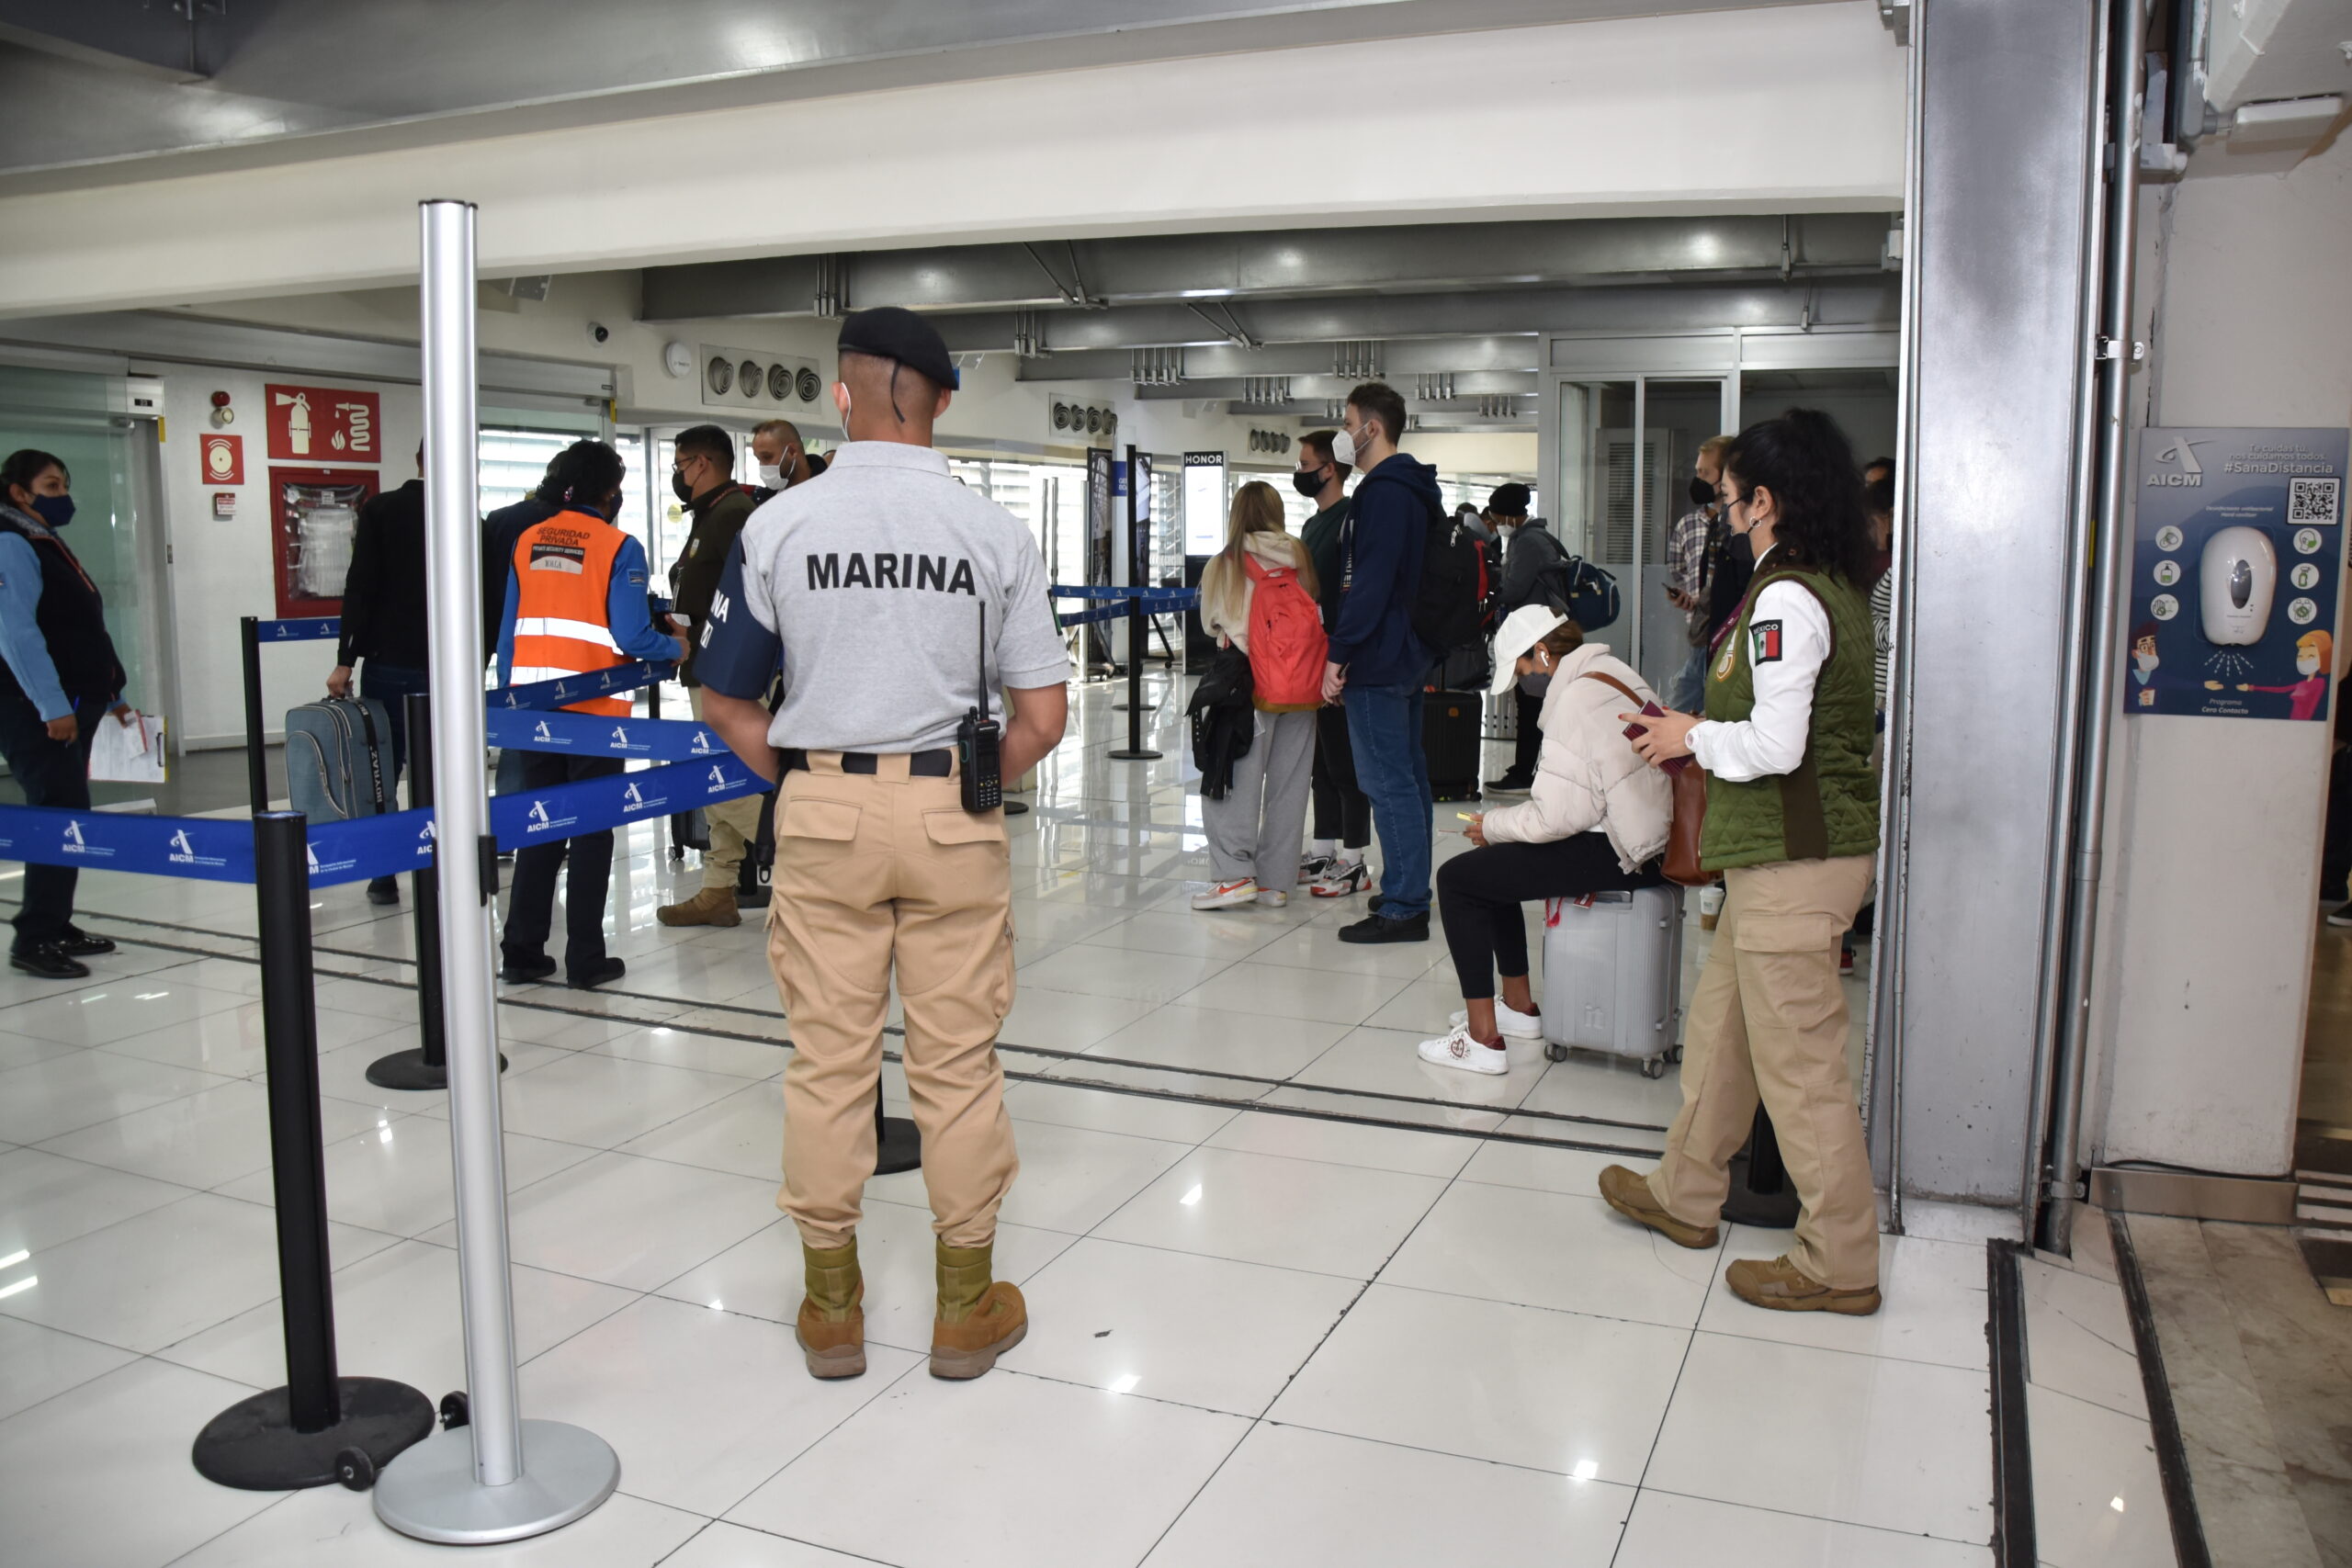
(1334, 867)
(702, 478)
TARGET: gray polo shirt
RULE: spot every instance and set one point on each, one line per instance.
(868, 584)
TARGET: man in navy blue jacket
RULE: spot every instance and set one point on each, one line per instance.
(1377, 665)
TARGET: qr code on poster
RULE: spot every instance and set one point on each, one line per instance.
(2311, 501)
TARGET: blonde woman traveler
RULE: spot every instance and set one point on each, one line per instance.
(1792, 823)
(1258, 595)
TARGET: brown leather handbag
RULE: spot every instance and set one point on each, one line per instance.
(1689, 821)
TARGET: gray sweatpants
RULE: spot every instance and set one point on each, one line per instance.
(1257, 829)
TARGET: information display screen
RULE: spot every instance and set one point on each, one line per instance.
(1204, 503)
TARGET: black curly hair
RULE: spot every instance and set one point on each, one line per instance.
(1808, 464)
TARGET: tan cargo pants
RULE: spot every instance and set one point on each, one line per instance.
(734, 825)
(878, 874)
(1769, 1017)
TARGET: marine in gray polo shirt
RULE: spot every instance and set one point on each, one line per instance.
(869, 586)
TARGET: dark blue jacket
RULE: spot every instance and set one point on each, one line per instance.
(501, 531)
(1381, 567)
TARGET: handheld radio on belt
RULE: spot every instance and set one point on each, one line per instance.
(978, 739)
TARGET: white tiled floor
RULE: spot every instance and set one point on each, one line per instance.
(1297, 1298)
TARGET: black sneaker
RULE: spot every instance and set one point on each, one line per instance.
(523, 970)
(2340, 916)
(50, 960)
(1380, 927)
(1511, 783)
(597, 973)
(384, 890)
(79, 944)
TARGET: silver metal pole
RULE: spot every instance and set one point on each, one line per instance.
(466, 1484)
(1884, 1040)
(2082, 557)
(2081, 936)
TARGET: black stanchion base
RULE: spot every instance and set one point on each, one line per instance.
(1765, 1211)
(253, 1444)
(1015, 808)
(899, 1148)
(409, 1069)
(1124, 755)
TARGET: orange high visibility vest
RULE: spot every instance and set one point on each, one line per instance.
(563, 579)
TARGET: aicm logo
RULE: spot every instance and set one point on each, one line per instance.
(183, 852)
(538, 817)
(621, 742)
(541, 732)
(632, 799)
(424, 837)
(702, 746)
(718, 779)
(2186, 473)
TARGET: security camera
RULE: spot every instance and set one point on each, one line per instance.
(598, 333)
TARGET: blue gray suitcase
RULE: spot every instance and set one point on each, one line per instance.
(1612, 976)
(339, 759)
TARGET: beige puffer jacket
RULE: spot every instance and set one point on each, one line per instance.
(1588, 776)
(1225, 588)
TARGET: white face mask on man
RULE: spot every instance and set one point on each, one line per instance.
(775, 476)
(1344, 449)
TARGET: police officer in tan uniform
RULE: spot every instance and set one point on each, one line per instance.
(896, 600)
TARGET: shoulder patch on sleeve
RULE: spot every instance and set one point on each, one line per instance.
(1764, 642)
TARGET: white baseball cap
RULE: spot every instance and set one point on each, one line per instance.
(1521, 630)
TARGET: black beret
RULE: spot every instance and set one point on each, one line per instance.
(893, 331)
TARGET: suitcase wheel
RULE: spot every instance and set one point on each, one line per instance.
(1555, 1052)
(1674, 1054)
(1654, 1067)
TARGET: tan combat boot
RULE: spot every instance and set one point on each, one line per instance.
(1782, 1287)
(1631, 1196)
(978, 1320)
(711, 906)
(832, 1329)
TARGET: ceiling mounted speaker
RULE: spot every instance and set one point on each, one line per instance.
(747, 376)
(721, 373)
(1094, 421)
(809, 385)
(1061, 416)
(779, 382)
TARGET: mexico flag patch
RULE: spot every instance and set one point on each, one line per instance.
(1764, 642)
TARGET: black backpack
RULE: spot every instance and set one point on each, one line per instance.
(1450, 604)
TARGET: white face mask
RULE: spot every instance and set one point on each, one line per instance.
(2308, 663)
(775, 476)
(1344, 449)
(2146, 662)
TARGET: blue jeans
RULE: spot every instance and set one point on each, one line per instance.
(1688, 694)
(1384, 733)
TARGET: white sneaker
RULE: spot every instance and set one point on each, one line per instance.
(1227, 895)
(1514, 1024)
(1458, 1050)
(1272, 898)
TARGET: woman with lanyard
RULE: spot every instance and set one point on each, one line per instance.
(58, 676)
(1792, 823)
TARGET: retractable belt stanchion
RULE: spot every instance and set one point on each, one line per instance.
(256, 758)
(320, 1427)
(497, 1477)
(1135, 751)
(427, 1067)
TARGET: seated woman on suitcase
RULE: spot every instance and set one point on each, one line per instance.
(1596, 822)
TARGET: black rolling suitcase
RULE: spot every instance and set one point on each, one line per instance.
(1450, 739)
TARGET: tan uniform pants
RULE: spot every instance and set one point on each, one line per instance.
(733, 824)
(1769, 1018)
(876, 874)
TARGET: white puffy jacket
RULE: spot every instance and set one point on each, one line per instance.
(1588, 776)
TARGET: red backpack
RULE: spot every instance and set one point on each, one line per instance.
(1286, 642)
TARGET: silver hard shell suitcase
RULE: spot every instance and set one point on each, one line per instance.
(1612, 972)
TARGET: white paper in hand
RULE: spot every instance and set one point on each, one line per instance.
(129, 750)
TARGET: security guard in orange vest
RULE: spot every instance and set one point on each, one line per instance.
(575, 603)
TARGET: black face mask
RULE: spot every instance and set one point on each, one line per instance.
(679, 488)
(1307, 482)
(1701, 492)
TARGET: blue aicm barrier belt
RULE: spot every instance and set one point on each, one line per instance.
(594, 735)
(303, 628)
(208, 848)
(1155, 601)
(591, 806)
(568, 689)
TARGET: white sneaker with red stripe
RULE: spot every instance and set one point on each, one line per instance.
(1227, 895)
(1458, 1050)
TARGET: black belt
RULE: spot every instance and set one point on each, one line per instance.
(939, 764)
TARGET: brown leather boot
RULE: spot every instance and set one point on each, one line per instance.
(1630, 1195)
(711, 906)
(978, 1320)
(832, 1328)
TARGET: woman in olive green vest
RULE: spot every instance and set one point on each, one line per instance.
(1792, 824)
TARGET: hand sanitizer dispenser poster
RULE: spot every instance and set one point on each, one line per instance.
(2237, 566)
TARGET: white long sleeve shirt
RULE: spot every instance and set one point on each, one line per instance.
(1788, 642)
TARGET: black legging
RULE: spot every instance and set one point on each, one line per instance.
(1342, 811)
(1530, 744)
(1479, 894)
